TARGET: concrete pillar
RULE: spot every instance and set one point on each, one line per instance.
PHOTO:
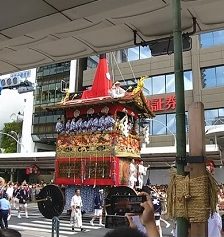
(197, 148)
(196, 72)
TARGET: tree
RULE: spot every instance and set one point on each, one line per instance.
(8, 143)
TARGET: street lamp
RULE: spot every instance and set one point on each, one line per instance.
(13, 137)
(16, 135)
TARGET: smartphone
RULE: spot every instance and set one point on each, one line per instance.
(122, 204)
(113, 222)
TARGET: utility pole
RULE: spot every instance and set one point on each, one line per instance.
(182, 224)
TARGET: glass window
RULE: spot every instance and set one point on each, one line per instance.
(211, 39)
(188, 80)
(38, 95)
(42, 119)
(208, 77)
(218, 37)
(145, 52)
(147, 86)
(52, 93)
(212, 77)
(170, 83)
(171, 123)
(44, 94)
(207, 40)
(220, 76)
(211, 116)
(158, 84)
(133, 54)
(35, 119)
(159, 125)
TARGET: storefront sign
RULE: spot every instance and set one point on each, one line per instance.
(159, 104)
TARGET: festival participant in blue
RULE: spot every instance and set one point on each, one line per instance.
(109, 122)
(98, 207)
(67, 126)
(95, 124)
(90, 124)
(59, 126)
(84, 125)
(101, 126)
(73, 126)
(5, 211)
(79, 125)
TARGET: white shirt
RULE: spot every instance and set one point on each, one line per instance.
(117, 91)
(214, 225)
(76, 201)
(142, 170)
(9, 191)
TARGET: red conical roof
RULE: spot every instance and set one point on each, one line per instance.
(102, 81)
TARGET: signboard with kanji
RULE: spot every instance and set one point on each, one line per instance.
(159, 104)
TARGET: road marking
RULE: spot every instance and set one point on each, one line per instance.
(67, 224)
(18, 227)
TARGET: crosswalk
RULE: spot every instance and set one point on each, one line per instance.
(45, 225)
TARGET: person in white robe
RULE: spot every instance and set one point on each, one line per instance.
(76, 214)
(132, 174)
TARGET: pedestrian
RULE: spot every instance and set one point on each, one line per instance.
(23, 196)
(98, 207)
(214, 225)
(5, 211)
(76, 214)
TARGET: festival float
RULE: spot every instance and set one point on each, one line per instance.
(99, 136)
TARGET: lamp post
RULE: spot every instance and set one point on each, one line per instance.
(13, 137)
(16, 135)
(18, 143)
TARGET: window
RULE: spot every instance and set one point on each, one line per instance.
(214, 116)
(158, 84)
(135, 53)
(212, 77)
(159, 125)
(166, 83)
(212, 39)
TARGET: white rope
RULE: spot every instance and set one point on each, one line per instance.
(112, 67)
(130, 65)
(118, 67)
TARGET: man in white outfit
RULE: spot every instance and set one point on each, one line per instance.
(142, 170)
(116, 91)
(76, 214)
(132, 174)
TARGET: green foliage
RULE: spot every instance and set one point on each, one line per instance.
(8, 143)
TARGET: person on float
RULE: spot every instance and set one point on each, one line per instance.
(67, 126)
(116, 91)
(142, 170)
(109, 122)
(73, 126)
(95, 124)
(90, 124)
(132, 174)
(102, 126)
(79, 125)
(59, 126)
